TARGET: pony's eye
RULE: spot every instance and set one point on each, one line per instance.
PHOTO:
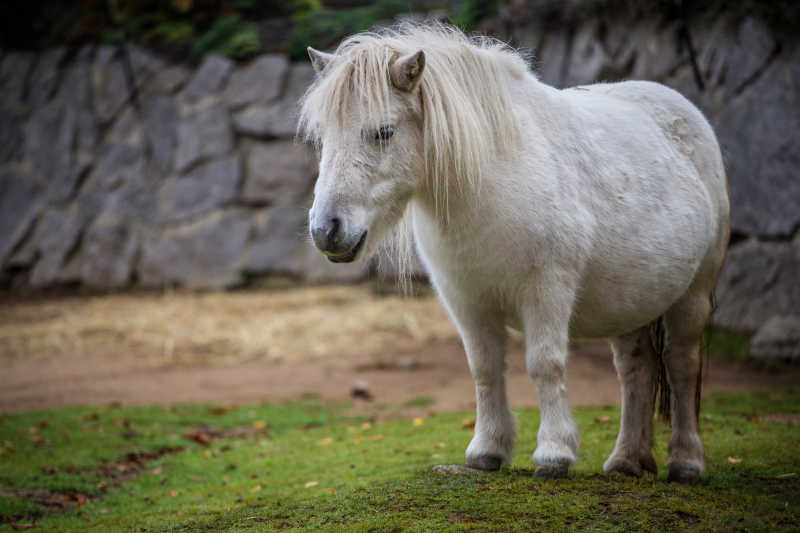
(384, 133)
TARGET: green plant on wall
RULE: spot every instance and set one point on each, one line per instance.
(229, 36)
(321, 27)
(174, 33)
(189, 26)
(468, 13)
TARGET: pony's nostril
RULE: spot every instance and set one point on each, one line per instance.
(333, 228)
(326, 234)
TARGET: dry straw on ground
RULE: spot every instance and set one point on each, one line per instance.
(221, 328)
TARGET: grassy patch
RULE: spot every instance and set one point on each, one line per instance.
(307, 467)
(420, 401)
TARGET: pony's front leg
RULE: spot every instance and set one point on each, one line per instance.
(483, 334)
(546, 342)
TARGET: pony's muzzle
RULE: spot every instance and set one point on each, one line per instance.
(335, 243)
(325, 235)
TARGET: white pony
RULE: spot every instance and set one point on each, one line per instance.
(591, 212)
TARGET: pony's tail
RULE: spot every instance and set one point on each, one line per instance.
(661, 391)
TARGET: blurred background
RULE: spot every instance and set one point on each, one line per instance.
(153, 198)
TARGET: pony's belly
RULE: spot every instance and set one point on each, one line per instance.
(603, 322)
(608, 306)
(638, 271)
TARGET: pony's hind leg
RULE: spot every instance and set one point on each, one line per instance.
(685, 322)
(637, 367)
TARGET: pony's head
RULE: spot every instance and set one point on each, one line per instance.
(395, 114)
(368, 169)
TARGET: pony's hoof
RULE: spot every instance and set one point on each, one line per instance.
(648, 463)
(683, 473)
(623, 466)
(488, 463)
(551, 471)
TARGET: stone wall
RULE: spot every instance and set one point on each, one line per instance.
(201, 184)
(193, 181)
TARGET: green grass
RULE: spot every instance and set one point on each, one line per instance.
(420, 401)
(308, 467)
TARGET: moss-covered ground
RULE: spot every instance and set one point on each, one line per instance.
(304, 466)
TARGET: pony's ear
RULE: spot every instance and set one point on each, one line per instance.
(319, 60)
(406, 71)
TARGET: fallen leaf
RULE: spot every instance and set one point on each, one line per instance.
(21, 527)
(468, 423)
(325, 441)
(331, 490)
(439, 444)
(259, 424)
(101, 484)
(358, 438)
(91, 416)
(200, 437)
(197, 478)
(6, 446)
(365, 426)
(173, 493)
(375, 437)
(103, 511)
(734, 460)
(256, 488)
(418, 421)
(311, 484)
(435, 456)
(217, 411)
(207, 453)
(602, 419)
(38, 440)
(157, 470)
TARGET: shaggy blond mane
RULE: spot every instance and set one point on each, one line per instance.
(467, 108)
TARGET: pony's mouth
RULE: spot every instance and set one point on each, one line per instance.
(350, 256)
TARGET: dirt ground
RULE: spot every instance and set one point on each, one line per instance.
(244, 347)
